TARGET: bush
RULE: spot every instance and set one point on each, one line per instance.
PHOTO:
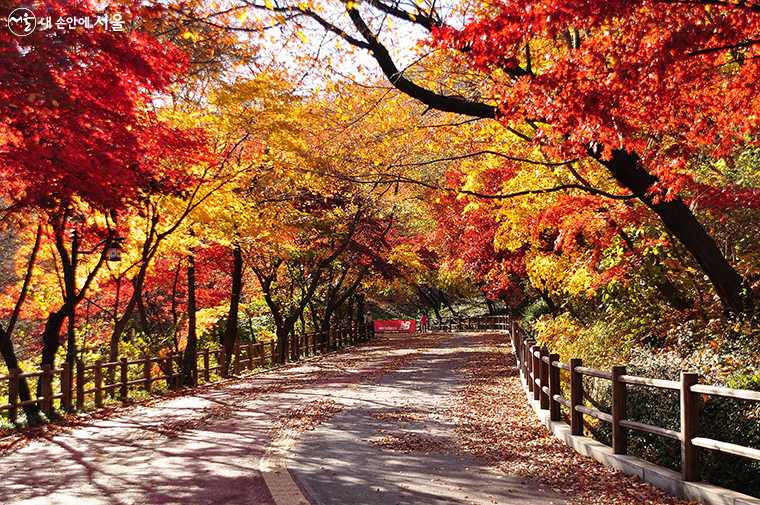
(722, 419)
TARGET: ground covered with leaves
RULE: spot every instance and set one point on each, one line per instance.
(496, 424)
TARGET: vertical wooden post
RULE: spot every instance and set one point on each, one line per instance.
(619, 411)
(123, 390)
(543, 375)
(99, 383)
(527, 361)
(66, 387)
(180, 377)
(576, 397)
(555, 412)
(520, 350)
(528, 366)
(689, 427)
(223, 371)
(206, 366)
(47, 387)
(236, 364)
(249, 353)
(536, 365)
(80, 385)
(195, 369)
(13, 394)
(148, 373)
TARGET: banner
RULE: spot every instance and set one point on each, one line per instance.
(395, 325)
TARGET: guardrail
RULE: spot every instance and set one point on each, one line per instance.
(74, 387)
(542, 372)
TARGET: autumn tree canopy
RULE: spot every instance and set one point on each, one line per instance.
(642, 89)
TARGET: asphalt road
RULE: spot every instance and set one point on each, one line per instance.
(391, 442)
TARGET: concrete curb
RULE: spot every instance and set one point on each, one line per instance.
(665, 479)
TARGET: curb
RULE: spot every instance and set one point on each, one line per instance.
(272, 466)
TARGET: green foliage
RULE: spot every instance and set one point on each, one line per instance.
(722, 419)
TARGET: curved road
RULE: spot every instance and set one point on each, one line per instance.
(385, 438)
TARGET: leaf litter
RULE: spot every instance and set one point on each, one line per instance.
(496, 425)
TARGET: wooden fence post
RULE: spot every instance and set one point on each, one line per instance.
(148, 373)
(180, 377)
(124, 389)
(527, 362)
(236, 363)
(80, 385)
(99, 383)
(619, 411)
(536, 369)
(66, 387)
(249, 353)
(13, 394)
(206, 365)
(527, 344)
(555, 413)
(576, 397)
(689, 427)
(223, 370)
(47, 387)
(261, 352)
(543, 375)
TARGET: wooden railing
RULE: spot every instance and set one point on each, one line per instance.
(99, 380)
(542, 372)
(475, 323)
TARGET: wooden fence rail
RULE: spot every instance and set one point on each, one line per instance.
(116, 379)
(541, 371)
(496, 323)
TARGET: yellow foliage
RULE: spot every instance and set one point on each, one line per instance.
(599, 346)
(558, 274)
(406, 255)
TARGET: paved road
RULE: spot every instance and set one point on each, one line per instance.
(218, 446)
(393, 443)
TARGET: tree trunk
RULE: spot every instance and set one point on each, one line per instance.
(11, 361)
(231, 328)
(7, 349)
(360, 308)
(491, 308)
(678, 218)
(190, 362)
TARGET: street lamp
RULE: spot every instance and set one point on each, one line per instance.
(115, 249)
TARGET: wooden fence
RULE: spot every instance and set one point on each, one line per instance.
(475, 323)
(94, 382)
(543, 374)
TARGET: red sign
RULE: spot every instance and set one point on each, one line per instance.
(395, 325)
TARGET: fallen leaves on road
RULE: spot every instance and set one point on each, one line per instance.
(496, 424)
(306, 417)
(411, 442)
(403, 415)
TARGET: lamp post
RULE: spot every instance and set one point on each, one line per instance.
(113, 253)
